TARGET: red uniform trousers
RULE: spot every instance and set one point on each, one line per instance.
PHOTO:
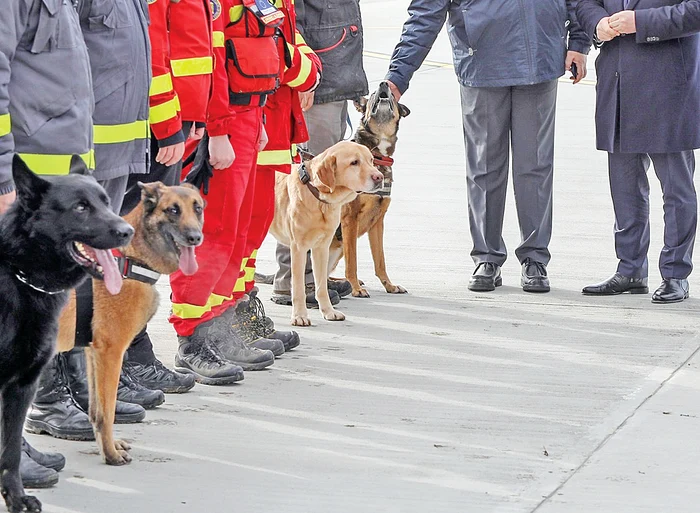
(208, 293)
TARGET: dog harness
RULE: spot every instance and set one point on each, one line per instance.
(305, 178)
(130, 270)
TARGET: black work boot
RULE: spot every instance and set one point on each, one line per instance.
(202, 359)
(265, 325)
(54, 410)
(486, 277)
(156, 376)
(76, 372)
(220, 333)
(131, 391)
(52, 460)
(245, 324)
(34, 475)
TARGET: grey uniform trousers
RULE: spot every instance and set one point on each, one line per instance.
(326, 124)
(629, 187)
(496, 120)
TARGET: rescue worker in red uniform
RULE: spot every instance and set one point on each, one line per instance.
(252, 59)
(286, 127)
(180, 33)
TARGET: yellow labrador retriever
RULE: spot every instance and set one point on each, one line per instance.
(307, 214)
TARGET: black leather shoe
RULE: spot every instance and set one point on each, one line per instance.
(156, 376)
(671, 290)
(52, 460)
(34, 475)
(342, 287)
(486, 277)
(76, 373)
(285, 298)
(131, 391)
(54, 410)
(534, 277)
(617, 284)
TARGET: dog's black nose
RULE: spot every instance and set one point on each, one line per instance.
(194, 238)
(123, 232)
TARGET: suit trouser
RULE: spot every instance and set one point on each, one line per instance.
(496, 119)
(326, 124)
(629, 186)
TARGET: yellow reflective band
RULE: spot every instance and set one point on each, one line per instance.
(235, 13)
(295, 150)
(303, 74)
(306, 50)
(218, 39)
(240, 285)
(190, 67)
(244, 263)
(164, 111)
(161, 84)
(55, 165)
(299, 39)
(274, 157)
(112, 134)
(254, 255)
(5, 125)
(177, 103)
(186, 311)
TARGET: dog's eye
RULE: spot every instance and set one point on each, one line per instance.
(81, 207)
(174, 210)
(355, 163)
(198, 208)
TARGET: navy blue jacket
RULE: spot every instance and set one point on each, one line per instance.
(655, 73)
(495, 43)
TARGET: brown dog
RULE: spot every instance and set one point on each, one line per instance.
(167, 225)
(307, 214)
(378, 132)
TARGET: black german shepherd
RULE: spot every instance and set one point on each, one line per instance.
(57, 232)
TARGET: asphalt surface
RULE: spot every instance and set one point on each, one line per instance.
(441, 400)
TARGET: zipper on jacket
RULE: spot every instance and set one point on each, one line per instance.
(528, 49)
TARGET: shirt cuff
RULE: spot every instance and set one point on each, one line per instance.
(176, 138)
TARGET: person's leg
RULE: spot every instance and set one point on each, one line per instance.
(532, 122)
(675, 172)
(115, 188)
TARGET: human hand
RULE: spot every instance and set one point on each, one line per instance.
(221, 154)
(394, 90)
(263, 139)
(196, 133)
(170, 155)
(579, 59)
(604, 31)
(624, 22)
(6, 200)
(307, 100)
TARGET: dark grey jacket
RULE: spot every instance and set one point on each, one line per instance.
(495, 43)
(333, 29)
(116, 34)
(45, 87)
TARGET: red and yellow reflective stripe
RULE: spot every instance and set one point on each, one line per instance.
(274, 157)
(164, 111)
(113, 134)
(250, 269)
(304, 71)
(5, 125)
(193, 66)
(161, 84)
(186, 311)
(55, 165)
(218, 39)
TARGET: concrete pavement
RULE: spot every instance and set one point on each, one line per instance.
(441, 400)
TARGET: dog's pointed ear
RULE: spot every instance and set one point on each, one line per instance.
(150, 195)
(78, 166)
(30, 187)
(403, 110)
(326, 174)
(360, 104)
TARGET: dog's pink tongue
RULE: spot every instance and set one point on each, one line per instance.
(188, 261)
(112, 275)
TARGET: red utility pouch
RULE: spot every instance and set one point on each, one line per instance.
(253, 65)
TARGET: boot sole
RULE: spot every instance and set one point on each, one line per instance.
(658, 302)
(40, 428)
(254, 366)
(227, 380)
(134, 418)
(637, 290)
(46, 483)
(479, 287)
(145, 405)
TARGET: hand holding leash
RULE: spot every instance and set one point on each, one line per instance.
(201, 170)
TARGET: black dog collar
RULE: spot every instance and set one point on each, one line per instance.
(23, 278)
(135, 270)
(305, 178)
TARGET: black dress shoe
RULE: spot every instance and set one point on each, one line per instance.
(617, 284)
(534, 277)
(34, 475)
(671, 290)
(486, 277)
(52, 460)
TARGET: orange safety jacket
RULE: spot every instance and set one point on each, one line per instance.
(182, 63)
(284, 119)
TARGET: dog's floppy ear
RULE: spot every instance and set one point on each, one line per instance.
(150, 194)
(403, 110)
(78, 166)
(360, 104)
(326, 174)
(30, 187)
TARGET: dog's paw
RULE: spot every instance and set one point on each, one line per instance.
(395, 289)
(361, 292)
(334, 315)
(18, 504)
(300, 320)
(120, 456)
(121, 445)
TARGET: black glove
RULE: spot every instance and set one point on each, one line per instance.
(201, 170)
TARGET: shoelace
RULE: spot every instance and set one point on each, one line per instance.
(541, 268)
(258, 316)
(210, 354)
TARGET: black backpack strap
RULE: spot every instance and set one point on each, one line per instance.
(83, 314)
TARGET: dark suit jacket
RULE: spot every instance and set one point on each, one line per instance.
(654, 75)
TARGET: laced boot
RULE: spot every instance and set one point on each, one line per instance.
(220, 333)
(265, 325)
(131, 391)
(244, 322)
(197, 356)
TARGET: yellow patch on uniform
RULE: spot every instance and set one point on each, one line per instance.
(215, 9)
